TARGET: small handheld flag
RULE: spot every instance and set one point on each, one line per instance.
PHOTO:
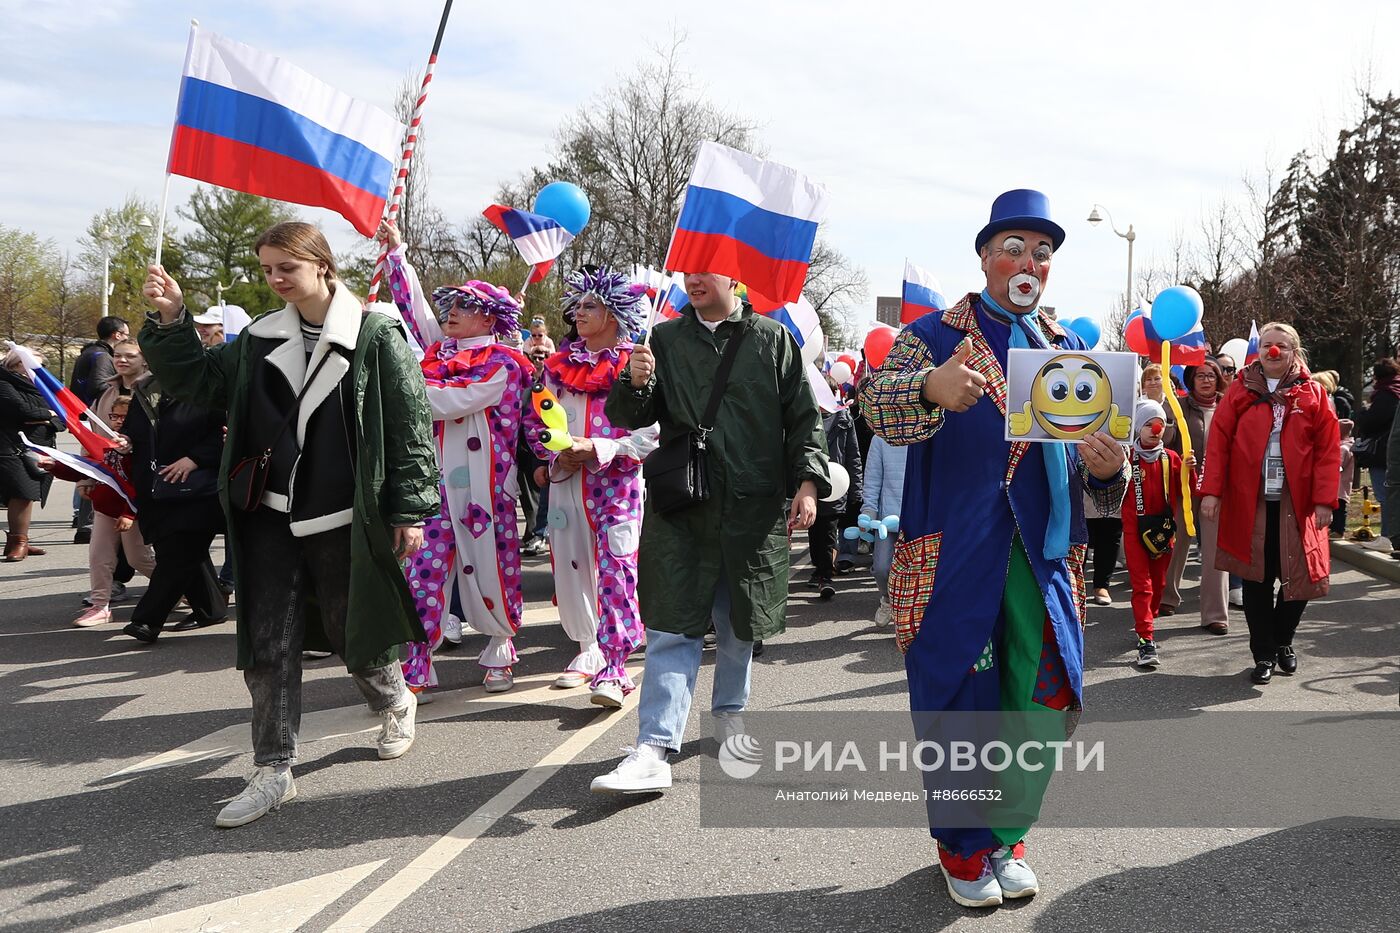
(539, 239)
(921, 294)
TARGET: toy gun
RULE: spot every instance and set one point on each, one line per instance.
(546, 405)
(871, 529)
(1369, 507)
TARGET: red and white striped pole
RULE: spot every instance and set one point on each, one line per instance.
(409, 144)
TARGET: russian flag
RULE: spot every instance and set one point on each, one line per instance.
(750, 219)
(922, 294)
(539, 239)
(800, 318)
(1251, 352)
(255, 123)
(67, 406)
(671, 299)
(1190, 348)
(235, 319)
(113, 479)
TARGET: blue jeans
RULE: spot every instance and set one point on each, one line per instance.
(883, 553)
(672, 664)
(1378, 493)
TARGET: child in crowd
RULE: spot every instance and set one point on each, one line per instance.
(1348, 474)
(1154, 494)
(884, 496)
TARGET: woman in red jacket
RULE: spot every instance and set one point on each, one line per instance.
(1272, 460)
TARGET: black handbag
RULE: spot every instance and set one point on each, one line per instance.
(1158, 532)
(202, 481)
(677, 472)
(248, 477)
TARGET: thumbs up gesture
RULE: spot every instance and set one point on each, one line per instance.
(954, 386)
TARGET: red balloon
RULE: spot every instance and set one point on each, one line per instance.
(877, 345)
(849, 360)
(1135, 336)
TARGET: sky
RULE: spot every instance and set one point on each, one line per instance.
(914, 115)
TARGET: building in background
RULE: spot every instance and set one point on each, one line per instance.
(887, 311)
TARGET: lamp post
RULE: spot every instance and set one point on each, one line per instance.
(104, 236)
(220, 287)
(1130, 236)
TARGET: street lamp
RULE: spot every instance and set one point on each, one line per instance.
(1130, 236)
(220, 287)
(104, 236)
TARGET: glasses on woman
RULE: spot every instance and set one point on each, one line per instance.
(1228, 370)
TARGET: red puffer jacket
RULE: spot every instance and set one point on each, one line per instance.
(1239, 436)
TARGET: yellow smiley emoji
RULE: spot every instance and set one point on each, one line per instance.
(1071, 398)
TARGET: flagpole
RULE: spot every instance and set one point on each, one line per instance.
(409, 144)
(165, 191)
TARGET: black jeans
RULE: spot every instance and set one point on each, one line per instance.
(821, 538)
(273, 578)
(1271, 621)
(1104, 536)
(183, 568)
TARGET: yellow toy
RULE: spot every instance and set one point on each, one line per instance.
(557, 437)
(1369, 507)
(1071, 398)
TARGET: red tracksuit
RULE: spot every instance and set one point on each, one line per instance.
(1147, 574)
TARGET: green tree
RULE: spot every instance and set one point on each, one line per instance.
(219, 248)
(25, 265)
(128, 233)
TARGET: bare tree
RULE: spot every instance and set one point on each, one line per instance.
(70, 313)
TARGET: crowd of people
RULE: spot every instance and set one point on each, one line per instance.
(369, 469)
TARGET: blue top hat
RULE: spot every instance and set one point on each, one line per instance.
(1021, 209)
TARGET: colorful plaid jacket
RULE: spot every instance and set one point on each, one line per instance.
(968, 492)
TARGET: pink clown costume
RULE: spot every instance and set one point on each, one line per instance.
(471, 552)
(595, 513)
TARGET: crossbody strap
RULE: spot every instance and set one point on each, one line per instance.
(286, 422)
(726, 363)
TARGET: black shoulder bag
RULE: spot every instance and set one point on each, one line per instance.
(1158, 532)
(676, 473)
(247, 479)
(202, 481)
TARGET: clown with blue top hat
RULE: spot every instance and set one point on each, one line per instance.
(976, 506)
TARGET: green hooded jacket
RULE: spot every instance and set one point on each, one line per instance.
(396, 481)
(767, 440)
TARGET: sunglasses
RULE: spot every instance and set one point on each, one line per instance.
(1228, 370)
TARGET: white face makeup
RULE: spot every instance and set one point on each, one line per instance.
(1019, 266)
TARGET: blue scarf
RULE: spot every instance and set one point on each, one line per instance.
(1027, 336)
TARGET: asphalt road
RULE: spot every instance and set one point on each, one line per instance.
(116, 757)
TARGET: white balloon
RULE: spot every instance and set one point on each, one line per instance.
(840, 372)
(1235, 349)
(840, 482)
(813, 344)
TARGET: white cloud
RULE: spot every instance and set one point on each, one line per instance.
(915, 115)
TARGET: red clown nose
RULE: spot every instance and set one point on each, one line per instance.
(1157, 427)
(1274, 352)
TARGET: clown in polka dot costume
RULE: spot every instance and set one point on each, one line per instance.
(471, 551)
(596, 498)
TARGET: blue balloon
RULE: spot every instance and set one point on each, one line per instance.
(1086, 328)
(1179, 373)
(1176, 312)
(565, 203)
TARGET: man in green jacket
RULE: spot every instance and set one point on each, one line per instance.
(724, 560)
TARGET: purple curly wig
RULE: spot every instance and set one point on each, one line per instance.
(627, 300)
(492, 299)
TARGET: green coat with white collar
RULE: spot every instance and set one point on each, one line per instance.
(396, 476)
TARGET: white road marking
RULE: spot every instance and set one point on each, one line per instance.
(283, 908)
(352, 720)
(383, 900)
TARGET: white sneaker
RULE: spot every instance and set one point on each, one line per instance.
(93, 617)
(452, 629)
(498, 680)
(1237, 598)
(1013, 874)
(982, 892)
(885, 614)
(267, 790)
(396, 737)
(644, 770)
(607, 694)
(570, 679)
(727, 725)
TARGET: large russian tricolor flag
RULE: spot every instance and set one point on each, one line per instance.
(70, 409)
(749, 219)
(539, 239)
(922, 294)
(255, 123)
(801, 320)
(1190, 348)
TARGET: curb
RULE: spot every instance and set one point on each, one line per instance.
(1377, 565)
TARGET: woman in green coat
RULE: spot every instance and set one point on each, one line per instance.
(327, 476)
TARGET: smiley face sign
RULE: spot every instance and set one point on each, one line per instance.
(1054, 395)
